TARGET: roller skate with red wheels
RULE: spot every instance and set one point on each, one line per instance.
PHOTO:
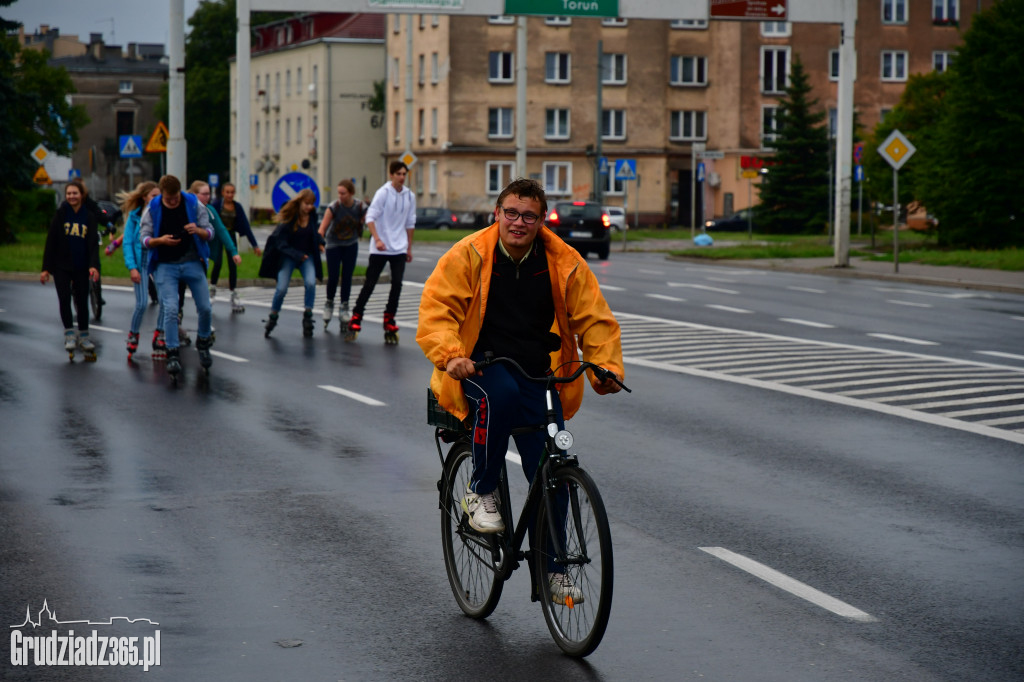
(132, 344)
(355, 325)
(390, 329)
(159, 345)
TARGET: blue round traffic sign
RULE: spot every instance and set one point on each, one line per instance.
(291, 184)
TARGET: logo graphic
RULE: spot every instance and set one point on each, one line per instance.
(119, 647)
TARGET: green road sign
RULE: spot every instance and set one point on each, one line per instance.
(564, 8)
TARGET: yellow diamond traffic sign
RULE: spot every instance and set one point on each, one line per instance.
(896, 149)
(40, 153)
(408, 158)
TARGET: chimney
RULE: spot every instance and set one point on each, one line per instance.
(96, 46)
(133, 52)
(44, 28)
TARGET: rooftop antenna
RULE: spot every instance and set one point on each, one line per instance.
(113, 36)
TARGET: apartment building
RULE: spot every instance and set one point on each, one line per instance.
(667, 87)
(312, 80)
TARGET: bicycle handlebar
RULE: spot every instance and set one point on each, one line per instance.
(601, 373)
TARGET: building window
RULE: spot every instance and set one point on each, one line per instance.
(558, 21)
(556, 67)
(688, 70)
(435, 19)
(266, 133)
(613, 185)
(257, 83)
(556, 126)
(613, 124)
(557, 178)
(287, 132)
(769, 126)
(615, 22)
(613, 69)
(277, 137)
(298, 130)
(125, 87)
(433, 124)
(775, 29)
(894, 65)
(421, 124)
(500, 68)
(422, 68)
(398, 128)
(945, 11)
(394, 72)
(432, 177)
(257, 144)
(774, 69)
(316, 77)
(894, 11)
(499, 122)
(689, 24)
(499, 174)
(423, 21)
(883, 114)
(833, 65)
(396, 23)
(298, 82)
(435, 70)
(688, 125)
(942, 61)
(501, 19)
(288, 83)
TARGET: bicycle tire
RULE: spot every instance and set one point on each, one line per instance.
(469, 557)
(95, 300)
(578, 627)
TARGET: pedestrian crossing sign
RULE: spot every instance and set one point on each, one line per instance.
(625, 169)
(130, 146)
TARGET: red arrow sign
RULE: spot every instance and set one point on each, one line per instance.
(775, 10)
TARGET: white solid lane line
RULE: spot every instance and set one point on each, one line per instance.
(105, 329)
(903, 339)
(806, 323)
(353, 395)
(791, 585)
(232, 358)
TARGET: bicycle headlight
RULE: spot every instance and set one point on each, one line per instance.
(563, 439)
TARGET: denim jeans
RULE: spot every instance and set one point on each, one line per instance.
(142, 298)
(284, 276)
(167, 276)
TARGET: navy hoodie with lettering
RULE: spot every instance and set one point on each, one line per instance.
(72, 242)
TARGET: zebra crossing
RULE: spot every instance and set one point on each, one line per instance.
(981, 397)
(977, 396)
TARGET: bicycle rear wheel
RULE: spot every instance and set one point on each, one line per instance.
(470, 558)
(95, 300)
(578, 625)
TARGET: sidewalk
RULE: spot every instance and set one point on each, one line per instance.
(915, 273)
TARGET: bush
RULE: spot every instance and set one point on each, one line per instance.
(32, 209)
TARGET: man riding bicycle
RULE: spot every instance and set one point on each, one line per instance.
(517, 290)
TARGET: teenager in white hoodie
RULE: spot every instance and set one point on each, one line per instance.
(391, 220)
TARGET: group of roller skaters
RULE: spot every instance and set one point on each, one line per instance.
(171, 236)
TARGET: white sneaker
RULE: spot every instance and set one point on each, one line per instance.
(563, 591)
(483, 512)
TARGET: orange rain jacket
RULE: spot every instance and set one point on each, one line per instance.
(454, 303)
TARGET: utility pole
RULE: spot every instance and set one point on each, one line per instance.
(598, 188)
(177, 147)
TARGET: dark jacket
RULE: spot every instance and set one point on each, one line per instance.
(196, 213)
(242, 226)
(284, 241)
(57, 253)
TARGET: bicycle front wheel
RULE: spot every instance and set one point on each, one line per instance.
(95, 300)
(578, 615)
(470, 558)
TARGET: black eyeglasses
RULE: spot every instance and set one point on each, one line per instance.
(513, 215)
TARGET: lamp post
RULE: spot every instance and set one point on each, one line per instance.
(750, 201)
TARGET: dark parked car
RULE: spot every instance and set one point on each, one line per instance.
(584, 225)
(430, 218)
(737, 222)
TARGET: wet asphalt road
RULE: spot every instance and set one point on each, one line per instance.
(255, 510)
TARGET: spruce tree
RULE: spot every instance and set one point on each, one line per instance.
(794, 193)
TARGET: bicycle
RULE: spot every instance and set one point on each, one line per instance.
(478, 564)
